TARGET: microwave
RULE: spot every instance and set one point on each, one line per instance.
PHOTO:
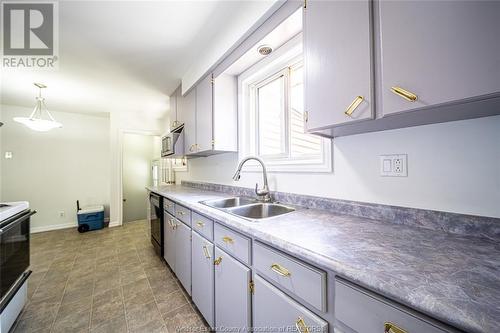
(172, 144)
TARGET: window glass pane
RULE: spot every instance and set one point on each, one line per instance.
(271, 118)
(301, 144)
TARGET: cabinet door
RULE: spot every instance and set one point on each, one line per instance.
(338, 62)
(183, 255)
(187, 115)
(204, 114)
(276, 311)
(173, 109)
(232, 293)
(440, 51)
(203, 277)
(169, 240)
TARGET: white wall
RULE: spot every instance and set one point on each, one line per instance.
(53, 169)
(452, 167)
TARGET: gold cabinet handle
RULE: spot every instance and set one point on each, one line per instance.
(409, 96)
(172, 224)
(200, 224)
(168, 205)
(181, 213)
(393, 328)
(207, 253)
(277, 268)
(191, 148)
(301, 326)
(227, 239)
(217, 261)
(350, 109)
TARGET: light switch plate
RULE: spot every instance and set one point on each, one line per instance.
(395, 165)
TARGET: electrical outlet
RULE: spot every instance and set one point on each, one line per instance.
(394, 165)
(62, 214)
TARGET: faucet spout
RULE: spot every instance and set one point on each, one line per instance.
(262, 194)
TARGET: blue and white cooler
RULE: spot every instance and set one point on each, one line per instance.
(90, 218)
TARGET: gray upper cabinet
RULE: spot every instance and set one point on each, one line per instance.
(174, 99)
(338, 63)
(183, 255)
(186, 111)
(275, 310)
(438, 52)
(204, 115)
(216, 116)
(203, 277)
(232, 293)
(169, 240)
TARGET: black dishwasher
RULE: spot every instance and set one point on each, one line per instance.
(156, 221)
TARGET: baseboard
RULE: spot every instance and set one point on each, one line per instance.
(114, 224)
(51, 227)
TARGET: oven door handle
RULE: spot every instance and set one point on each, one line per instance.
(17, 221)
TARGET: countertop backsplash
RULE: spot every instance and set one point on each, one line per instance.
(461, 224)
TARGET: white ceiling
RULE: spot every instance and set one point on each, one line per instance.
(125, 56)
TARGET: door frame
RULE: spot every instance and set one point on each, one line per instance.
(121, 134)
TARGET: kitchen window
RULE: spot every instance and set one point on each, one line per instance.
(272, 117)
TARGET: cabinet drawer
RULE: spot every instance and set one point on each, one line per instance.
(203, 225)
(300, 279)
(168, 205)
(183, 214)
(366, 312)
(233, 243)
(279, 313)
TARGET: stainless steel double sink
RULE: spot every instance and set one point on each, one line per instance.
(248, 208)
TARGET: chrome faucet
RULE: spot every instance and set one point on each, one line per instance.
(262, 194)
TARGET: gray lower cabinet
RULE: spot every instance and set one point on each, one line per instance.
(273, 311)
(203, 277)
(169, 243)
(365, 312)
(183, 255)
(232, 293)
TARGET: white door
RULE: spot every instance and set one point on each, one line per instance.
(439, 51)
(338, 62)
(138, 151)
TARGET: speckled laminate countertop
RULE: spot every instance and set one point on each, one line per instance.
(453, 278)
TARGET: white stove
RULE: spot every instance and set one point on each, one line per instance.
(9, 209)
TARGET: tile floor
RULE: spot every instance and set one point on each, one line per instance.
(103, 281)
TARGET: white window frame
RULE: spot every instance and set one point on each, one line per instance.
(262, 72)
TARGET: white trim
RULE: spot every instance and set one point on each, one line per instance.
(121, 133)
(114, 224)
(43, 228)
(275, 62)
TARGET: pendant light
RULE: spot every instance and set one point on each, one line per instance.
(35, 120)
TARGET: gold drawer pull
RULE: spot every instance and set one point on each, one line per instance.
(200, 224)
(217, 261)
(392, 328)
(409, 96)
(280, 270)
(227, 239)
(350, 109)
(207, 253)
(301, 326)
(172, 223)
(181, 213)
(191, 148)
